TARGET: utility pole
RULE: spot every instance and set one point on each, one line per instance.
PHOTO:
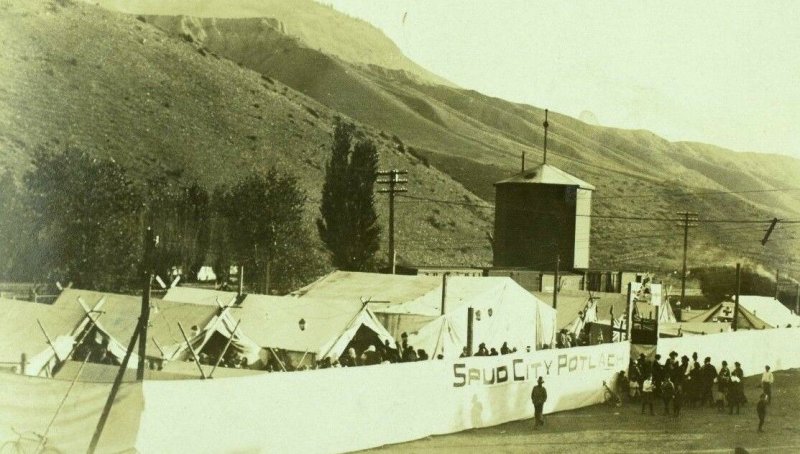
(735, 324)
(444, 290)
(240, 288)
(546, 125)
(797, 301)
(393, 180)
(555, 282)
(470, 316)
(138, 334)
(687, 217)
(150, 242)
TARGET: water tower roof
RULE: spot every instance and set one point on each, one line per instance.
(547, 174)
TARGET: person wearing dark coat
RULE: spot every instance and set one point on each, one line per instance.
(677, 401)
(658, 376)
(694, 386)
(761, 409)
(709, 373)
(735, 395)
(504, 350)
(667, 394)
(370, 357)
(738, 372)
(538, 398)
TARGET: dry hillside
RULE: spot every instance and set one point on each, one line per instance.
(80, 76)
(315, 58)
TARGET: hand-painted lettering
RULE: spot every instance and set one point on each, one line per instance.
(488, 377)
(502, 374)
(517, 377)
(458, 372)
(572, 363)
(562, 363)
(474, 375)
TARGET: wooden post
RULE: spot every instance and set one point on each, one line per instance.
(797, 302)
(240, 291)
(629, 313)
(392, 179)
(735, 323)
(114, 389)
(444, 291)
(267, 274)
(470, 314)
(147, 282)
(657, 322)
(555, 282)
(23, 362)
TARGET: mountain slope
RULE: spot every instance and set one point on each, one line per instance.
(225, 118)
(319, 26)
(479, 139)
(83, 77)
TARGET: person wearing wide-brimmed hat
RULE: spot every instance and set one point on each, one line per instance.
(538, 397)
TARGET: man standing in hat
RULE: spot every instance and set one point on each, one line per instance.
(538, 397)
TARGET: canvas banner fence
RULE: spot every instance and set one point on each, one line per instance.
(778, 348)
(337, 410)
(330, 410)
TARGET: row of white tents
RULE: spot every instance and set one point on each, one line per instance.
(323, 319)
(320, 321)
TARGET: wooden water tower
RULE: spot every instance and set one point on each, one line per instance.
(542, 214)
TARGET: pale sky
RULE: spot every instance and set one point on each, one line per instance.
(726, 73)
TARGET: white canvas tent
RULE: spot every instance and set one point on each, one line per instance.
(328, 326)
(770, 310)
(20, 334)
(120, 314)
(503, 312)
(202, 296)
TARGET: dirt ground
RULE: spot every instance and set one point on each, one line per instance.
(603, 429)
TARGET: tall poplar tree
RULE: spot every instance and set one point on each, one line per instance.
(349, 224)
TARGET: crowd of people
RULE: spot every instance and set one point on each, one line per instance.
(686, 382)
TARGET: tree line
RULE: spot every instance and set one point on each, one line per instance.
(76, 217)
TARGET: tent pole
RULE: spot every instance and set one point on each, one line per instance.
(191, 349)
(49, 341)
(224, 350)
(163, 355)
(302, 359)
(278, 358)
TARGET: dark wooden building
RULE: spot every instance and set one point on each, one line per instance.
(540, 214)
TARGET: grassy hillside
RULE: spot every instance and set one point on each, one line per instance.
(178, 98)
(79, 76)
(478, 140)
